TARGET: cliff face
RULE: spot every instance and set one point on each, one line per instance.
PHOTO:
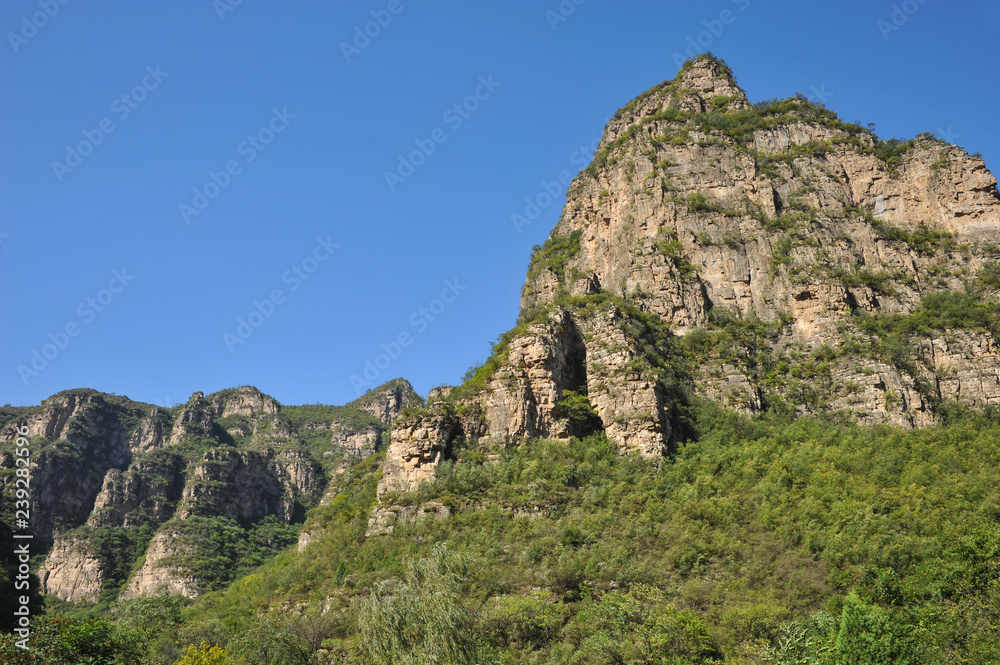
(765, 256)
(109, 472)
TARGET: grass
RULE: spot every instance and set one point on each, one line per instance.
(753, 526)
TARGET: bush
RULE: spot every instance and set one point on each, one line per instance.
(530, 621)
(577, 409)
(208, 655)
(641, 628)
(422, 620)
(554, 254)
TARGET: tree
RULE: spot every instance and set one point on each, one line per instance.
(206, 655)
(422, 621)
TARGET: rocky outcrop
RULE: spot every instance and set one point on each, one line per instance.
(248, 485)
(741, 252)
(388, 400)
(152, 431)
(385, 518)
(356, 443)
(543, 362)
(418, 445)
(110, 463)
(88, 438)
(72, 573)
(598, 353)
(147, 493)
(629, 394)
(964, 366)
(157, 577)
(197, 417)
(696, 205)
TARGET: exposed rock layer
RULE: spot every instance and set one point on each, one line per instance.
(771, 232)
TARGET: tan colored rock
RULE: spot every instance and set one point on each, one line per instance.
(151, 433)
(417, 446)
(385, 518)
(155, 577)
(388, 400)
(147, 493)
(629, 399)
(726, 256)
(966, 367)
(523, 394)
(71, 573)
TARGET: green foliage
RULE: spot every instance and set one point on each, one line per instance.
(672, 248)
(781, 252)
(422, 620)
(208, 655)
(941, 162)
(150, 616)
(696, 202)
(642, 627)
(528, 621)
(740, 126)
(61, 641)
(554, 254)
(880, 636)
(878, 281)
(922, 240)
(893, 151)
(989, 276)
(574, 554)
(577, 409)
(117, 549)
(216, 550)
(350, 417)
(937, 312)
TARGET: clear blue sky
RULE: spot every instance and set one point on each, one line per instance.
(219, 82)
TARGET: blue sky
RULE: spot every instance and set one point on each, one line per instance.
(278, 140)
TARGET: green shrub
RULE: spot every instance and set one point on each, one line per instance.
(577, 409)
(422, 620)
(893, 151)
(554, 254)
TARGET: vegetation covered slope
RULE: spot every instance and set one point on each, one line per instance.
(781, 530)
(762, 540)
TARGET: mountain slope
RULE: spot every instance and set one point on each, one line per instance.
(766, 256)
(126, 491)
(748, 414)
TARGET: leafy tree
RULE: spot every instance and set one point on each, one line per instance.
(641, 627)
(422, 621)
(206, 655)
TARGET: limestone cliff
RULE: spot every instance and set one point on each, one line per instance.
(766, 256)
(108, 472)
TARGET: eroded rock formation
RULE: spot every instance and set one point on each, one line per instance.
(762, 256)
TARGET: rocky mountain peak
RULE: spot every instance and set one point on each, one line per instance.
(387, 401)
(765, 257)
(705, 82)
